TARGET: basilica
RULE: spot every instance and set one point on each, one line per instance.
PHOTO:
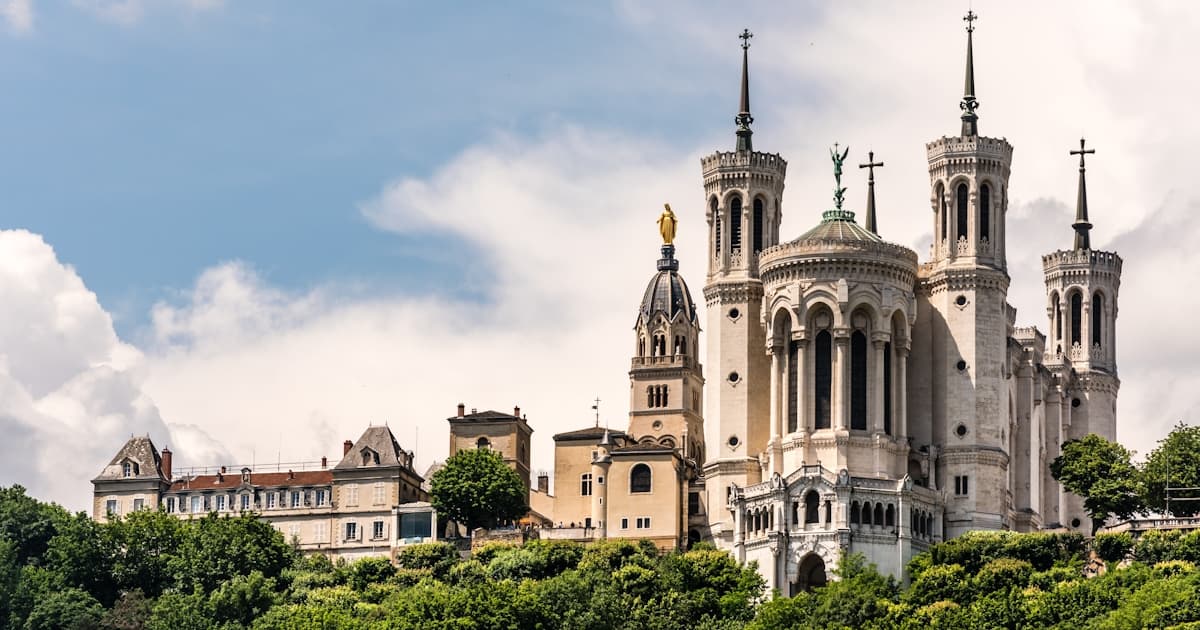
(860, 399)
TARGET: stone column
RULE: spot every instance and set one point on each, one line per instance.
(877, 396)
(803, 424)
(841, 365)
(900, 382)
(776, 443)
(1085, 324)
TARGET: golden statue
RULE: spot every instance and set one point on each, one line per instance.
(666, 224)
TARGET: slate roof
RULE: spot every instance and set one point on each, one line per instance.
(140, 451)
(667, 293)
(380, 441)
(839, 229)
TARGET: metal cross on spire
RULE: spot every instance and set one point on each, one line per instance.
(1083, 227)
(870, 166)
(970, 125)
(744, 119)
(970, 17)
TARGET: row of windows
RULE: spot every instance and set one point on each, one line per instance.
(961, 487)
(658, 396)
(757, 224)
(641, 522)
(1075, 335)
(658, 345)
(246, 501)
(962, 203)
(350, 531)
(868, 515)
(639, 480)
(823, 382)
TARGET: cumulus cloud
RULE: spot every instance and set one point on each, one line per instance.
(70, 390)
(18, 15)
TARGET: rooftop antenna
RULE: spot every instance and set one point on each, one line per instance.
(596, 408)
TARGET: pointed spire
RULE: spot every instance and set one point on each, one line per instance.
(744, 118)
(870, 166)
(970, 121)
(1083, 238)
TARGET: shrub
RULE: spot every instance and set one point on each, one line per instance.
(1112, 547)
(438, 557)
(948, 582)
(1003, 574)
(1156, 546)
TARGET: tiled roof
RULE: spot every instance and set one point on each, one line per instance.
(643, 448)
(233, 480)
(140, 451)
(588, 433)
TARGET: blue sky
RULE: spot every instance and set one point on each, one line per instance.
(146, 152)
(258, 227)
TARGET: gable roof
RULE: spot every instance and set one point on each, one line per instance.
(588, 434)
(380, 441)
(139, 450)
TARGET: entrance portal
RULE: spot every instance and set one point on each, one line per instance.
(811, 574)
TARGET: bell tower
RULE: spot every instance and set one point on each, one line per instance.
(666, 380)
(1081, 291)
(743, 194)
(966, 287)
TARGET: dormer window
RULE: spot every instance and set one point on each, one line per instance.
(127, 469)
(369, 457)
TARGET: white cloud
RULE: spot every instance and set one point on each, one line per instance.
(18, 15)
(70, 390)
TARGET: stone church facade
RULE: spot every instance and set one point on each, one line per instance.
(860, 400)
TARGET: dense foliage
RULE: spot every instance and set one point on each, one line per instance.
(152, 571)
(476, 488)
(1102, 472)
(1177, 459)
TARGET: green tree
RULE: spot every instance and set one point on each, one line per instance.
(476, 488)
(67, 609)
(216, 548)
(1101, 472)
(243, 598)
(81, 555)
(1176, 459)
(27, 523)
(132, 611)
(145, 541)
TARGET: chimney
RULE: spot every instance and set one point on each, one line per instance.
(543, 483)
(291, 475)
(166, 462)
(324, 462)
(462, 410)
(517, 411)
(346, 446)
(222, 470)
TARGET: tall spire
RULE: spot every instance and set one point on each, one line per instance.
(1083, 227)
(744, 118)
(970, 121)
(870, 166)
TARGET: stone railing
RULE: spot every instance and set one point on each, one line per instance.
(992, 147)
(1089, 257)
(668, 361)
(738, 159)
(834, 246)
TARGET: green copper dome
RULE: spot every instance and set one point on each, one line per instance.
(839, 225)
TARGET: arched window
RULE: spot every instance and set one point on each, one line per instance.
(854, 513)
(1097, 318)
(756, 229)
(985, 212)
(639, 478)
(482, 444)
(650, 396)
(866, 513)
(887, 388)
(666, 396)
(941, 205)
(812, 504)
(712, 206)
(858, 381)
(642, 346)
(127, 469)
(961, 200)
(823, 378)
(1076, 318)
(793, 386)
(878, 520)
(828, 512)
(889, 517)
(735, 224)
(1056, 333)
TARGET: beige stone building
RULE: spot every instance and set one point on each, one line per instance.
(868, 402)
(368, 504)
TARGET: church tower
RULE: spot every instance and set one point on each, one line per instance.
(665, 379)
(965, 319)
(743, 191)
(1081, 290)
